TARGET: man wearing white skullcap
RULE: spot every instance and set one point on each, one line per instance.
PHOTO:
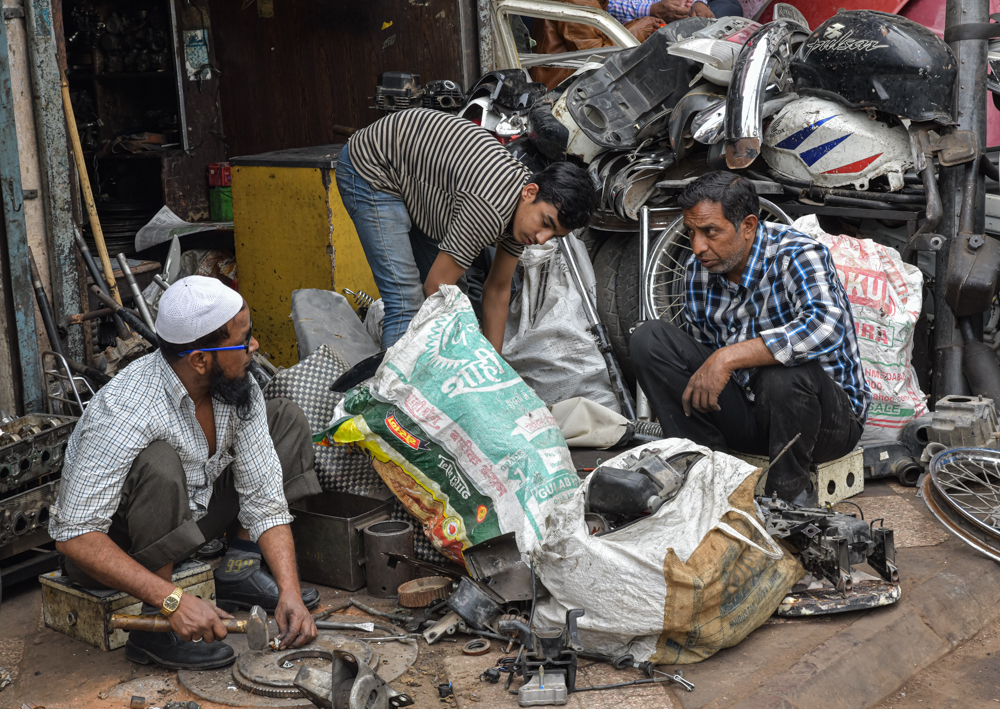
(179, 448)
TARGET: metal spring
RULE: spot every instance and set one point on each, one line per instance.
(361, 298)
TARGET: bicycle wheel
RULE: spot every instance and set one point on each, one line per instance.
(663, 282)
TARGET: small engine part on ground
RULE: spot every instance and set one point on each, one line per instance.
(497, 563)
(492, 675)
(473, 604)
(421, 592)
(549, 668)
(478, 646)
(349, 683)
(137, 702)
(182, 705)
(445, 690)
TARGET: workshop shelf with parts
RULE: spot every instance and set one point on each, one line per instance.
(386, 494)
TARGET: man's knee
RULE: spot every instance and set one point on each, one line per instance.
(159, 468)
(779, 381)
(654, 336)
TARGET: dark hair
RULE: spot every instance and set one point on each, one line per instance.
(736, 194)
(213, 339)
(568, 188)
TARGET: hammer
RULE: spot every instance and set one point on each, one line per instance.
(255, 628)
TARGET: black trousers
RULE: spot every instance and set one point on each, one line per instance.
(153, 523)
(786, 401)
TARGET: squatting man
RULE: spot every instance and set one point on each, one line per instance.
(176, 450)
(766, 347)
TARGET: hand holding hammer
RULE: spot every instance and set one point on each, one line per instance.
(255, 628)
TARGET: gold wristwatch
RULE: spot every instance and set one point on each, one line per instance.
(171, 602)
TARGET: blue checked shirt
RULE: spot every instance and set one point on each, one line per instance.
(147, 402)
(791, 297)
(628, 10)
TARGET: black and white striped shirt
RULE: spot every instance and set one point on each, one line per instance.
(460, 186)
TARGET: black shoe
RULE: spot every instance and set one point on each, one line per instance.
(256, 589)
(168, 650)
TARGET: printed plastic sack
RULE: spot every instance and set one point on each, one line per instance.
(886, 296)
(456, 434)
(548, 339)
(676, 587)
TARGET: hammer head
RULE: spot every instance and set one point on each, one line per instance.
(258, 635)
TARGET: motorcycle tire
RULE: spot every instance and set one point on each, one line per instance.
(616, 269)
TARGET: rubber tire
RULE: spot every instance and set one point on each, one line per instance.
(616, 269)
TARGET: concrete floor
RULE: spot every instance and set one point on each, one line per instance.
(931, 647)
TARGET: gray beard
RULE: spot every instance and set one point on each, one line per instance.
(728, 265)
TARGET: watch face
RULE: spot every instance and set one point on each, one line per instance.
(171, 603)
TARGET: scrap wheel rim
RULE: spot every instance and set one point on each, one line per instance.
(663, 283)
(968, 481)
(956, 524)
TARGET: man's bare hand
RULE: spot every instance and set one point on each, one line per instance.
(196, 619)
(700, 9)
(670, 10)
(643, 27)
(296, 626)
(705, 385)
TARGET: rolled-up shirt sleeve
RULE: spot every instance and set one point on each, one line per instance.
(257, 474)
(819, 324)
(628, 10)
(99, 455)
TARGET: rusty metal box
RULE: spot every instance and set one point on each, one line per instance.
(84, 614)
(329, 544)
(835, 481)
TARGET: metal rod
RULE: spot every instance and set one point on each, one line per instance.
(44, 307)
(88, 195)
(82, 318)
(643, 410)
(140, 302)
(125, 314)
(95, 274)
(158, 280)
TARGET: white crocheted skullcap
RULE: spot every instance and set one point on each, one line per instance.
(195, 306)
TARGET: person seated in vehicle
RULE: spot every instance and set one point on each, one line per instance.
(766, 347)
(179, 448)
(429, 191)
(670, 10)
(554, 37)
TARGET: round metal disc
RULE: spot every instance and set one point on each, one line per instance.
(968, 480)
(277, 670)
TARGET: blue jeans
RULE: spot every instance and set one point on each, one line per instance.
(398, 254)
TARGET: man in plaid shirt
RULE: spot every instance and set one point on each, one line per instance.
(767, 348)
(179, 448)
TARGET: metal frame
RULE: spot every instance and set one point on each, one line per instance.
(63, 376)
(505, 51)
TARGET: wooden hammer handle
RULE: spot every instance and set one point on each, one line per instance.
(159, 624)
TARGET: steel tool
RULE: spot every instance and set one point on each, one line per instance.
(255, 628)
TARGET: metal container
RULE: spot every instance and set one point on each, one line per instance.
(328, 542)
(392, 537)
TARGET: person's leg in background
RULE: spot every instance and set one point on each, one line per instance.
(383, 227)
(725, 8)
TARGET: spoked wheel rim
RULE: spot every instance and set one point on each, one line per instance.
(969, 481)
(663, 282)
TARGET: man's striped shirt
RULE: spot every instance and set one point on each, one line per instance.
(791, 297)
(460, 186)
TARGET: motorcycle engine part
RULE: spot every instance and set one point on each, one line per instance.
(693, 103)
(421, 592)
(24, 514)
(492, 675)
(873, 60)
(973, 273)
(444, 95)
(816, 140)
(348, 684)
(32, 446)
(497, 563)
(473, 605)
(960, 421)
(762, 62)
(397, 91)
(476, 646)
(829, 543)
(549, 667)
(446, 626)
(544, 689)
(641, 485)
(389, 537)
(629, 98)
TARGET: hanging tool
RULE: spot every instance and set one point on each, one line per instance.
(256, 628)
(128, 316)
(88, 195)
(140, 302)
(43, 306)
(95, 274)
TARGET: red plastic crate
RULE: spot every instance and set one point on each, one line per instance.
(219, 175)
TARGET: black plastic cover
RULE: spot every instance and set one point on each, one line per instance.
(615, 491)
(508, 90)
(873, 60)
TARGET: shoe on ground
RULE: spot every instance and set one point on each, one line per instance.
(168, 650)
(251, 586)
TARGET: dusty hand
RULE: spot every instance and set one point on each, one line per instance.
(700, 9)
(670, 10)
(705, 385)
(643, 27)
(295, 624)
(196, 619)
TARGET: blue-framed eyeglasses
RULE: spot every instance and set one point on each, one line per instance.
(245, 346)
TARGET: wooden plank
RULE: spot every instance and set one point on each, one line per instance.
(12, 202)
(287, 80)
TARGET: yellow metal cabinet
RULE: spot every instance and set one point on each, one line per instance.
(291, 232)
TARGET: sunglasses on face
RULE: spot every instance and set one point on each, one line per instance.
(245, 346)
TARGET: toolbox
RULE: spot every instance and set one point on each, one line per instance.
(328, 532)
(85, 614)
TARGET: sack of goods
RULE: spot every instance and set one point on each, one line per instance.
(455, 433)
(886, 296)
(664, 548)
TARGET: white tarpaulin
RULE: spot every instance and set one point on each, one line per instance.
(165, 225)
